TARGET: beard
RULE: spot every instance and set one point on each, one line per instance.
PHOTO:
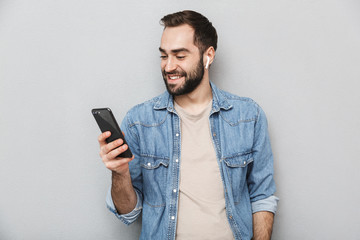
(192, 80)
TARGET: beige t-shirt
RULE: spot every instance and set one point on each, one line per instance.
(201, 213)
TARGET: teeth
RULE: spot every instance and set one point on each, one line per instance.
(175, 77)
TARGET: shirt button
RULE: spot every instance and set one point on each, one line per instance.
(149, 164)
(214, 134)
(244, 162)
(177, 134)
(230, 217)
(174, 190)
(177, 160)
(172, 217)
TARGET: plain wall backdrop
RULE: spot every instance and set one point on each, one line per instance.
(300, 60)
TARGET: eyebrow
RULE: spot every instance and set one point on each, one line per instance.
(175, 50)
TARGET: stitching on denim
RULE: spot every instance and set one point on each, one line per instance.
(238, 122)
(132, 132)
(149, 125)
(161, 205)
(153, 156)
(237, 155)
(231, 187)
(241, 165)
(236, 165)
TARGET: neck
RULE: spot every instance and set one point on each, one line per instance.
(198, 99)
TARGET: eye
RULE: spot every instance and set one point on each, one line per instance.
(180, 57)
(163, 57)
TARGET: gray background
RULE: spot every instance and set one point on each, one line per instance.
(300, 60)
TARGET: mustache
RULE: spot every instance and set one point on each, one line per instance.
(174, 72)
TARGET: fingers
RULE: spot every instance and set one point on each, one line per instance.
(102, 138)
(117, 151)
(105, 147)
(118, 165)
(110, 151)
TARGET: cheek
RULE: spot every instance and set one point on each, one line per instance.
(162, 65)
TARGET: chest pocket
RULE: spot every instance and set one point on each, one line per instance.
(154, 171)
(236, 169)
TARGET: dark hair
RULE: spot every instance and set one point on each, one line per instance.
(205, 34)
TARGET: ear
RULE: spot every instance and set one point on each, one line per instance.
(208, 57)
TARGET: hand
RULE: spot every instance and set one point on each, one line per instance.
(110, 151)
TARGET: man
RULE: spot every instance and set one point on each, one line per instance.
(202, 165)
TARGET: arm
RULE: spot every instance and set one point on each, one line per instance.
(261, 182)
(262, 225)
(122, 191)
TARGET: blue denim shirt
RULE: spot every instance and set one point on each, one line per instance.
(240, 136)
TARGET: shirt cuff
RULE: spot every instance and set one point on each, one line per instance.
(268, 204)
(127, 218)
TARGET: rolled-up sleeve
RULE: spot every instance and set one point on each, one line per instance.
(268, 204)
(125, 218)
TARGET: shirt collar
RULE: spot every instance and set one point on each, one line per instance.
(166, 101)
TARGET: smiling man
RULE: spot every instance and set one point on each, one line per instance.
(178, 54)
(202, 165)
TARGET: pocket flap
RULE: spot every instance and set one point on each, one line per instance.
(239, 161)
(152, 163)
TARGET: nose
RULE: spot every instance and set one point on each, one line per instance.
(170, 65)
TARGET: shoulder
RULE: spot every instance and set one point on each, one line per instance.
(243, 109)
(236, 100)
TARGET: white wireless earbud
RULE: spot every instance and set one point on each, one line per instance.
(207, 62)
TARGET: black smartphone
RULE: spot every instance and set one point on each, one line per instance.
(107, 122)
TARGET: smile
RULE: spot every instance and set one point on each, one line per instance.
(174, 77)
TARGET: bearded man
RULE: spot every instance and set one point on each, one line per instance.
(202, 165)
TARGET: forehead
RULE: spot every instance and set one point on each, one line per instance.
(178, 37)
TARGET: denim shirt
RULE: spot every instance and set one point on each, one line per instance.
(241, 140)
